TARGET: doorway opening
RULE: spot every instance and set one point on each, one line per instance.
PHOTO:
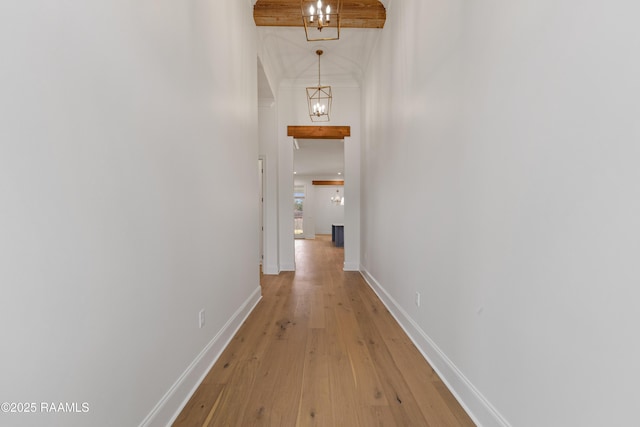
(261, 209)
(318, 187)
(298, 211)
(325, 207)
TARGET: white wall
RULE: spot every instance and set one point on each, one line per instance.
(326, 211)
(293, 110)
(119, 221)
(267, 114)
(509, 131)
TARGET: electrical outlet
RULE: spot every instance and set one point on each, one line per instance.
(201, 318)
(418, 299)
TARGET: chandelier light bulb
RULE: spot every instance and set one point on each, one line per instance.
(319, 15)
(319, 109)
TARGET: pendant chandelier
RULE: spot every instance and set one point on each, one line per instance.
(317, 17)
(319, 98)
(337, 200)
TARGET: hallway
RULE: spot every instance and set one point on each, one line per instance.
(321, 349)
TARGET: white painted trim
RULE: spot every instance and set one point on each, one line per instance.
(270, 269)
(473, 402)
(168, 408)
(288, 267)
(351, 266)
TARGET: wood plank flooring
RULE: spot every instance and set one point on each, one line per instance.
(320, 349)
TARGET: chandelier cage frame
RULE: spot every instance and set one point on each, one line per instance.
(319, 99)
(314, 20)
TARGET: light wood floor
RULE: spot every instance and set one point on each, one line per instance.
(320, 349)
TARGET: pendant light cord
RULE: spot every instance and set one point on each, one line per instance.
(319, 52)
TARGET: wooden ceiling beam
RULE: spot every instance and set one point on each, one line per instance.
(287, 13)
(319, 132)
(330, 182)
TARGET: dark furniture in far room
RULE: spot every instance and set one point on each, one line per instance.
(337, 235)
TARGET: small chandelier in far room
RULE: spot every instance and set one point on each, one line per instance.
(319, 99)
(337, 200)
(316, 15)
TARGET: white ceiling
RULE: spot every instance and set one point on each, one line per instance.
(319, 157)
(290, 59)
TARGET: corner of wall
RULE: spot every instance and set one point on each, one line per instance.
(288, 267)
(270, 269)
(174, 400)
(351, 266)
(473, 402)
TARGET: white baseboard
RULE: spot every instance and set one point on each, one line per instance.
(169, 407)
(270, 269)
(351, 266)
(288, 267)
(474, 403)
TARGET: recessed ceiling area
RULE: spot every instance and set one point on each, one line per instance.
(292, 59)
(319, 157)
